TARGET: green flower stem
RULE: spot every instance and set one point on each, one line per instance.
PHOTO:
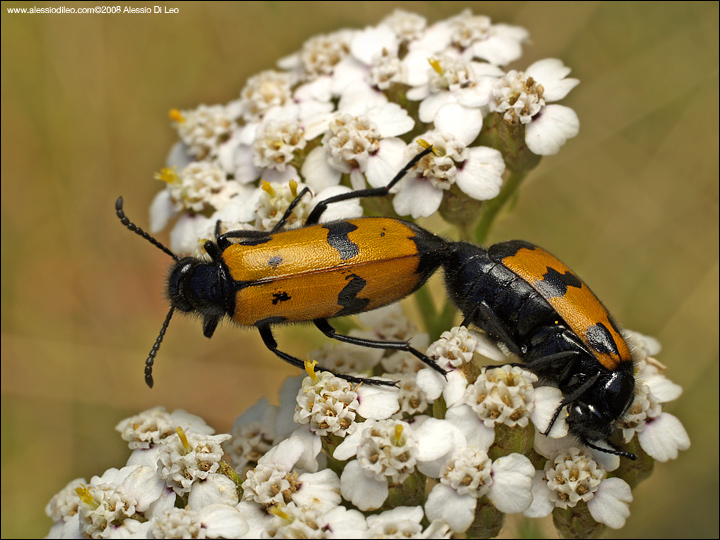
(491, 208)
(426, 306)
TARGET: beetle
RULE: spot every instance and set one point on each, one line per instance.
(525, 297)
(321, 270)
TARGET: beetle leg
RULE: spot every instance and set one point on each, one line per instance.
(254, 237)
(492, 325)
(571, 398)
(280, 224)
(314, 216)
(270, 343)
(330, 332)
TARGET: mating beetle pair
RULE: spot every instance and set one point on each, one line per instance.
(514, 291)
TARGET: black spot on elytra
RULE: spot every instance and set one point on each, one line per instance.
(275, 261)
(348, 296)
(338, 238)
(600, 339)
(280, 297)
(554, 284)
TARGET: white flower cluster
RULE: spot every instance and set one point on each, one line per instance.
(331, 455)
(345, 112)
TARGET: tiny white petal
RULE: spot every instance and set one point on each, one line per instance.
(317, 172)
(216, 489)
(178, 157)
(488, 347)
(365, 492)
(371, 41)
(359, 98)
(344, 523)
(512, 483)
(551, 73)
(417, 198)
(387, 161)
(162, 210)
(498, 50)
(663, 436)
(256, 518)
(551, 129)
(348, 448)
(663, 388)
(435, 438)
(547, 400)
(446, 504)
(455, 387)
(463, 122)
(611, 503)
(476, 433)
(223, 521)
(541, 505)
(481, 174)
(313, 446)
(433, 103)
(320, 490)
(377, 402)
(280, 177)
(392, 120)
(346, 73)
(284, 456)
(416, 69)
(431, 383)
(144, 484)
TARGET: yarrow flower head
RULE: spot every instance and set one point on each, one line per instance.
(393, 438)
(575, 487)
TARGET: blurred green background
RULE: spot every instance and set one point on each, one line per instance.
(631, 204)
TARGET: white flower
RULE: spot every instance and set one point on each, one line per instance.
(112, 502)
(386, 453)
(477, 171)
(453, 80)
(412, 399)
(573, 476)
(263, 92)
(406, 25)
(405, 522)
(503, 396)
(523, 98)
(212, 521)
(253, 434)
(150, 427)
(454, 352)
(363, 144)
(466, 474)
(203, 130)
(328, 404)
(64, 505)
(274, 481)
(498, 44)
(454, 348)
(183, 461)
(660, 434)
(296, 521)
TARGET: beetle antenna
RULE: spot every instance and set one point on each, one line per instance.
(155, 348)
(614, 451)
(137, 230)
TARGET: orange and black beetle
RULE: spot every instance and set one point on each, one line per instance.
(528, 299)
(309, 274)
(514, 291)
